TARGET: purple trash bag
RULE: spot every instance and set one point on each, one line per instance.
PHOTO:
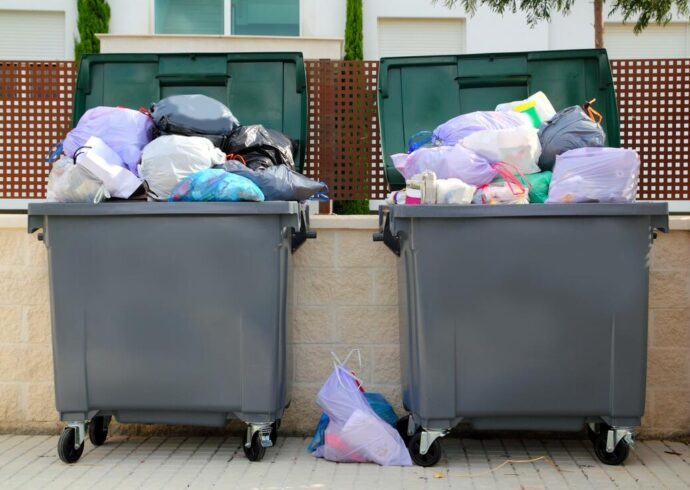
(124, 130)
(355, 433)
(446, 162)
(595, 175)
(454, 130)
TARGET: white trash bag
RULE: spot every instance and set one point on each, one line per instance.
(102, 162)
(595, 175)
(68, 182)
(454, 191)
(355, 433)
(168, 160)
(519, 147)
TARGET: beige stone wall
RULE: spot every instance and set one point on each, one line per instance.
(345, 297)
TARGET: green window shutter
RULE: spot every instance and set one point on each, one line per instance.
(189, 16)
(265, 17)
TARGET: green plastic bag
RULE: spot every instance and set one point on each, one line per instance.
(539, 183)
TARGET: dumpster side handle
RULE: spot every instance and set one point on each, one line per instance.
(36, 223)
(386, 236)
(298, 237)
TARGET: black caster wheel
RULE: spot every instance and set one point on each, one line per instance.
(401, 426)
(98, 430)
(617, 456)
(274, 431)
(432, 456)
(66, 450)
(256, 451)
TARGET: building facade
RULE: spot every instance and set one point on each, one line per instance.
(46, 29)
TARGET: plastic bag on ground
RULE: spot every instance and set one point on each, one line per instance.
(278, 183)
(543, 108)
(194, 115)
(595, 175)
(537, 184)
(455, 130)
(68, 182)
(104, 164)
(355, 433)
(261, 147)
(569, 129)
(517, 146)
(376, 401)
(124, 130)
(216, 185)
(446, 162)
(167, 160)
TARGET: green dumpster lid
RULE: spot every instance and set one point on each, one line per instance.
(419, 93)
(259, 88)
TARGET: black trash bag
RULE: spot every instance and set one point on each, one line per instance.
(571, 128)
(261, 147)
(194, 115)
(278, 182)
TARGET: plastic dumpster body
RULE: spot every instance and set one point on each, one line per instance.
(176, 313)
(523, 317)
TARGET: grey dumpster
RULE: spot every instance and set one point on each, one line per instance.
(176, 313)
(529, 317)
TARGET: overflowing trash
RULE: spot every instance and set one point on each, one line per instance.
(194, 115)
(187, 148)
(595, 175)
(512, 156)
(569, 129)
(216, 185)
(126, 131)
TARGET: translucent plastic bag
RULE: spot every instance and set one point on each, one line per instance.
(68, 182)
(124, 130)
(355, 433)
(595, 175)
(216, 185)
(517, 146)
(501, 194)
(538, 185)
(569, 129)
(446, 162)
(455, 130)
(537, 103)
(168, 160)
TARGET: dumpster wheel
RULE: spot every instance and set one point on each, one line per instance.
(67, 451)
(256, 451)
(432, 456)
(619, 454)
(98, 429)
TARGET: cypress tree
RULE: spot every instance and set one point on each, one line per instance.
(93, 18)
(354, 38)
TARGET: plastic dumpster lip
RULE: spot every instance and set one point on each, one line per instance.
(37, 211)
(530, 210)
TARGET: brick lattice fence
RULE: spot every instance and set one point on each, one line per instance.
(343, 147)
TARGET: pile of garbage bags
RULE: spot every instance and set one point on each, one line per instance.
(186, 148)
(522, 152)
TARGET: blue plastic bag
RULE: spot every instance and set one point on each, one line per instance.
(376, 401)
(216, 185)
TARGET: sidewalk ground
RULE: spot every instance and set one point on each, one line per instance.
(198, 462)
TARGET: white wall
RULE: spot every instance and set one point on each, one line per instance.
(69, 7)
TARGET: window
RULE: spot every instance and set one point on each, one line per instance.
(265, 17)
(669, 41)
(430, 36)
(189, 16)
